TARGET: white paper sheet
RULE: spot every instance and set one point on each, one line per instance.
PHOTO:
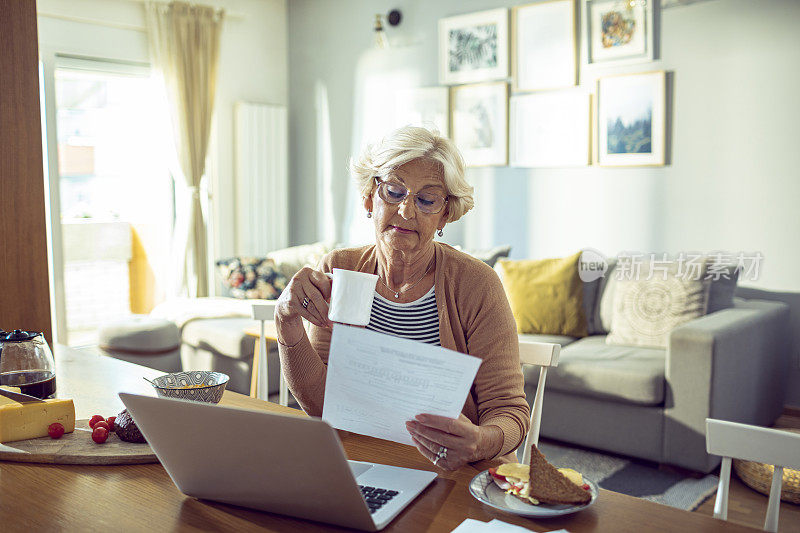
(378, 382)
(470, 525)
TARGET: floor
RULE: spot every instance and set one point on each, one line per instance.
(749, 507)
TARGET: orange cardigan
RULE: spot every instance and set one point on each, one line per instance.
(474, 318)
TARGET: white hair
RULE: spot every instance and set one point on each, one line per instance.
(410, 143)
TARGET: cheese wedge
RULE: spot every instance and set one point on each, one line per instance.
(29, 420)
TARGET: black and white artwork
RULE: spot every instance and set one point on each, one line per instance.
(473, 47)
(480, 123)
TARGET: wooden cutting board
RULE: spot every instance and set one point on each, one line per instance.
(78, 448)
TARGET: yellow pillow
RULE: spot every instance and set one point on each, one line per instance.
(546, 295)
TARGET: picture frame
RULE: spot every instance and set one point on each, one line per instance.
(615, 32)
(428, 107)
(473, 47)
(631, 119)
(479, 121)
(550, 129)
(544, 47)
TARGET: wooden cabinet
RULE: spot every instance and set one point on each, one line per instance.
(24, 283)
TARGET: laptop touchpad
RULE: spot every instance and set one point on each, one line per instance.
(358, 468)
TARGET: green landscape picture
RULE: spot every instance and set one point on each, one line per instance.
(632, 138)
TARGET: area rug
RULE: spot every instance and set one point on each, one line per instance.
(633, 477)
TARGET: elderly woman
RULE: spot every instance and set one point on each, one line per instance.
(412, 185)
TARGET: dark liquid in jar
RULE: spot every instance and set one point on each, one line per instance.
(38, 383)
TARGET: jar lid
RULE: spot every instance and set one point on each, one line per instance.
(19, 336)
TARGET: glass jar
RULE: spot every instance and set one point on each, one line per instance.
(27, 362)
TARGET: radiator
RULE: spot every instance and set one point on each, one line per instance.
(262, 178)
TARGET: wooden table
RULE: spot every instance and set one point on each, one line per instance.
(142, 497)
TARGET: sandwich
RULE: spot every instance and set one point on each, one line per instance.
(541, 482)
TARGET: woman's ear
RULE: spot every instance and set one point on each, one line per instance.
(445, 215)
(367, 201)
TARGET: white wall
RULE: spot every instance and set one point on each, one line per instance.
(733, 182)
(252, 68)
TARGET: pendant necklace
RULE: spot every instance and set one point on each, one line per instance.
(397, 293)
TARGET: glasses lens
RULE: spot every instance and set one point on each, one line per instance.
(429, 203)
(393, 193)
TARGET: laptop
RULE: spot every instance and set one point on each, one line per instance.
(283, 464)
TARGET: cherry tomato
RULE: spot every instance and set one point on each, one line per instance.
(586, 486)
(99, 435)
(101, 424)
(94, 420)
(55, 430)
(110, 421)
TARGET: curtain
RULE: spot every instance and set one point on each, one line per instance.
(184, 47)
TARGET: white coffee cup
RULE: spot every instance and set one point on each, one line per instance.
(351, 296)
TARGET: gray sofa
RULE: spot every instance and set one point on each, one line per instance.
(652, 403)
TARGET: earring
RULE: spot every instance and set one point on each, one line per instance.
(369, 214)
(440, 233)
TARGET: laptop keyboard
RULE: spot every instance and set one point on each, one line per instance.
(376, 497)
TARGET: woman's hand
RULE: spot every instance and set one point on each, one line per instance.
(312, 288)
(464, 441)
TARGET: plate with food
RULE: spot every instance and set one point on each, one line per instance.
(538, 489)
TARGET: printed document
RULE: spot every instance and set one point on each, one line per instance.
(377, 382)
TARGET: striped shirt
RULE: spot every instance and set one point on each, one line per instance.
(417, 320)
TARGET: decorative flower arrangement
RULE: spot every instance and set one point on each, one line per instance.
(251, 277)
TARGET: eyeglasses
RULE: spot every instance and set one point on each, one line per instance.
(395, 193)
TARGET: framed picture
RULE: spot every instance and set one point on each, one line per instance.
(620, 32)
(631, 119)
(550, 129)
(480, 123)
(543, 46)
(428, 107)
(473, 47)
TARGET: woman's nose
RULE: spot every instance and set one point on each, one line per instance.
(407, 207)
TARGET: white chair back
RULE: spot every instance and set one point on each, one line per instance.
(264, 312)
(752, 443)
(543, 355)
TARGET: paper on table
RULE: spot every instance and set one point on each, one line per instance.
(377, 382)
(470, 525)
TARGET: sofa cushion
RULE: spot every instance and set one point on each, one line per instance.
(605, 307)
(290, 260)
(225, 336)
(251, 277)
(546, 295)
(563, 340)
(590, 367)
(489, 256)
(649, 306)
(722, 275)
(139, 334)
(723, 279)
(594, 322)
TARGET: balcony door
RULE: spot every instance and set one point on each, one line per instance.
(115, 203)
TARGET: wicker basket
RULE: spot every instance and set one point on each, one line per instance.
(758, 476)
